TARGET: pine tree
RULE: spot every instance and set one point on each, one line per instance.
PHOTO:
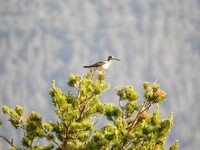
(130, 126)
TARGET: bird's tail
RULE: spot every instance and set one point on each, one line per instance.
(86, 66)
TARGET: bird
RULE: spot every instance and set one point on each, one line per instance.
(102, 65)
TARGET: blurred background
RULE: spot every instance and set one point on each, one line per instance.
(42, 40)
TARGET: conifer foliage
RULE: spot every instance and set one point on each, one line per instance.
(130, 125)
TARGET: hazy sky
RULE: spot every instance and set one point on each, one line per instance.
(45, 40)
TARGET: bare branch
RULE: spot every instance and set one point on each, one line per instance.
(97, 120)
(7, 140)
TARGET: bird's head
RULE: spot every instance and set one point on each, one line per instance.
(112, 58)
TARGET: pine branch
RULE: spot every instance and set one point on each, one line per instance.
(145, 107)
(54, 141)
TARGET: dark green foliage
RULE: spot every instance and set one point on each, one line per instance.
(131, 125)
(112, 112)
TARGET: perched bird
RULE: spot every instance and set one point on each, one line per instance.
(102, 65)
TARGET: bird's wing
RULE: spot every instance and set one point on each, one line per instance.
(100, 63)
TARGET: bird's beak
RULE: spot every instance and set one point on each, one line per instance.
(116, 59)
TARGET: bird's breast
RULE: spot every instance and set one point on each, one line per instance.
(105, 66)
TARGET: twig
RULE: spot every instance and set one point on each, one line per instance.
(122, 107)
(97, 120)
(83, 107)
(156, 79)
(7, 140)
(87, 98)
(54, 141)
(144, 107)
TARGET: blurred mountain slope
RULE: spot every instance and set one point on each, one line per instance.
(45, 40)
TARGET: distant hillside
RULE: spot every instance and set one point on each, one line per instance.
(45, 40)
